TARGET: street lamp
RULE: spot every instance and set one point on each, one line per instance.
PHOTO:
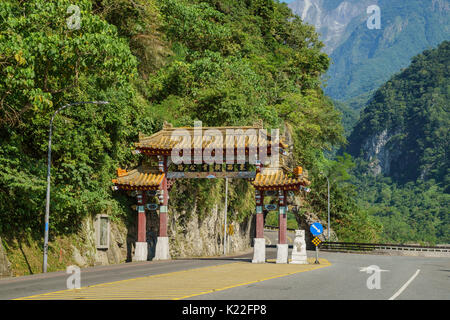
(47, 204)
(225, 218)
(328, 182)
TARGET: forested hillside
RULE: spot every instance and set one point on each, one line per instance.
(224, 62)
(405, 125)
(402, 141)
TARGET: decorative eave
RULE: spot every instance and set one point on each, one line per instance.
(138, 179)
(278, 179)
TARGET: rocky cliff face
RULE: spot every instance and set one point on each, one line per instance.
(5, 266)
(380, 152)
(189, 236)
(332, 19)
(85, 252)
(204, 237)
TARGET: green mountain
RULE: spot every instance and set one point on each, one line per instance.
(401, 143)
(224, 62)
(403, 131)
(362, 58)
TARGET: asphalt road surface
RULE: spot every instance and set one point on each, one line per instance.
(346, 278)
(401, 278)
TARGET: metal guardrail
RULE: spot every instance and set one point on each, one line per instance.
(353, 246)
(366, 247)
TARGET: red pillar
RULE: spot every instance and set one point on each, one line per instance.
(164, 204)
(142, 221)
(282, 218)
(259, 196)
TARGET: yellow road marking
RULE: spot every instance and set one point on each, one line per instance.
(183, 284)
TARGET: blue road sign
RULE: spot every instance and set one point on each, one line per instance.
(316, 228)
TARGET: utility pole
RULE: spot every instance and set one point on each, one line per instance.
(328, 182)
(328, 187)
(47, 203)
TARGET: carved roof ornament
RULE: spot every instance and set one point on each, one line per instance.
(121, 172)
(167, 125)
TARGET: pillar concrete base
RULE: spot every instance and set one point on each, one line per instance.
(162, 249)
(259, 250)
(298, 258)
(282, 253)
(299, 248)
(140, 251)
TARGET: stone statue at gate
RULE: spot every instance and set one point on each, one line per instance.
(299, 248)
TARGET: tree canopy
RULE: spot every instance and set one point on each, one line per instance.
(224, 62)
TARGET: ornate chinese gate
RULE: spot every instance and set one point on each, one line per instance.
(210, 152)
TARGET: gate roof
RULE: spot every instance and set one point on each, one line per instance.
(162, 142)
(142, 178)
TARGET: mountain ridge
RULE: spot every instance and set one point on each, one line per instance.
(363, 59)
(403, 132)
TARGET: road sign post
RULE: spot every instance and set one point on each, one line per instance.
(316, 229)
(316, 241)
(317, 256)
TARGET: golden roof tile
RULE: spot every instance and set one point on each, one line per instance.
(138, 178)
(166, 139)
(278, 179)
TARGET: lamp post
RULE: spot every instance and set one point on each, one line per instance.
(328, 183)
(225, 218)
(47, 204)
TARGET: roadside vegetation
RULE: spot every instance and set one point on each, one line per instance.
(224, 62)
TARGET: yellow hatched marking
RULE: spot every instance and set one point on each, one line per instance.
(183, 284)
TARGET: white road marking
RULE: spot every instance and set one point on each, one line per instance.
(405, 285)
(366, 269)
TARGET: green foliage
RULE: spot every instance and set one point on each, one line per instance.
(272, 219)
(411, 201)
(225, 62)
(413, 109)
(316, 125)
(349, 116)
(45, 65)
(348, 219)
(415, 212)
(138, 21)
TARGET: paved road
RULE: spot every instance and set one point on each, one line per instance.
(344, 280)
(12, 288)
(340, 280)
